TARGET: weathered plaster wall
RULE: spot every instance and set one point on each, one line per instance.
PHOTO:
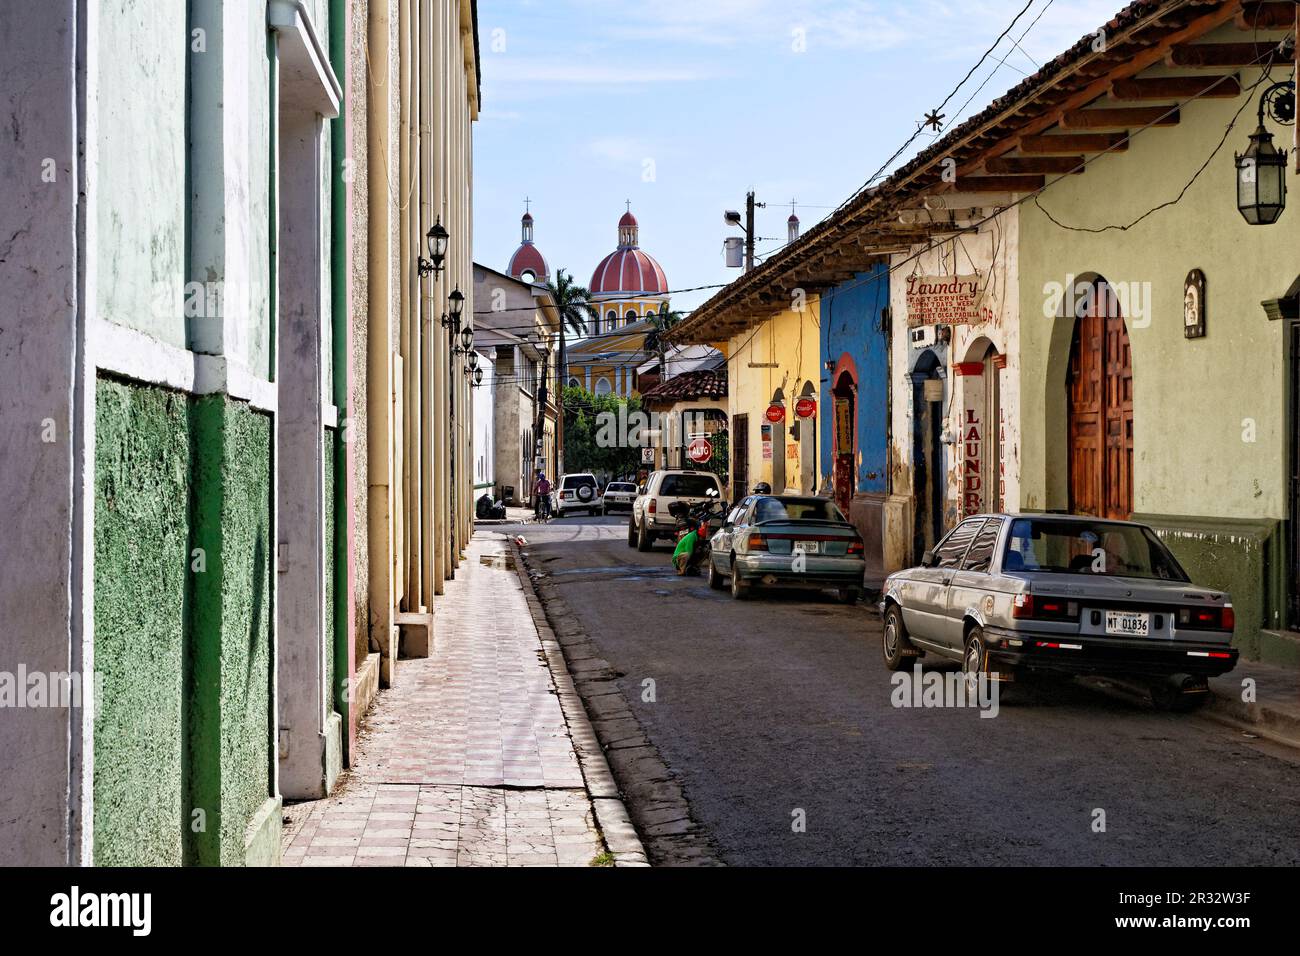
(140, 250)
(1194, 400)
(39, 547)
(851, 326)
(992, 252)
(142, 527)
(789, 339)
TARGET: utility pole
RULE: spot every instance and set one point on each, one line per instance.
(749, 229)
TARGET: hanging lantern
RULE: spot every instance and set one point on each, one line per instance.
(1261, 169)
(472, 358)
(478, 376)
(466, 338)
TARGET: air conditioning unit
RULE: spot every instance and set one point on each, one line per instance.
(922, 336)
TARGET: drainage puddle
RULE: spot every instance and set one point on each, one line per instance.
(501, 561)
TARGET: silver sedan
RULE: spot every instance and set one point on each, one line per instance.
(788, 541)
(1017, 594)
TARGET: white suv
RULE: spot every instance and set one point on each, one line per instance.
(577, 492)
(650, 516)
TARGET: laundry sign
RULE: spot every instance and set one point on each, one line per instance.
(943, 300)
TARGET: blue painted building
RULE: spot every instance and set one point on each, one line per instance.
(854, 403)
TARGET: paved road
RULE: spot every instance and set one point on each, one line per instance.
(769, 707)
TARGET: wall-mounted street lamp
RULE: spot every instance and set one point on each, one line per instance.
(478, 377)
(455, 305)
(1261, 169)
(471, 361)
(436, 241)
(467, 340)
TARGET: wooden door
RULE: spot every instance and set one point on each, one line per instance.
(1100, 406)
(739, 457)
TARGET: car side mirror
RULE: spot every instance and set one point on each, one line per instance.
(928, 560)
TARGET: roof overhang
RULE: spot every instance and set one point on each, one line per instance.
(306, 78)
(1042, 129)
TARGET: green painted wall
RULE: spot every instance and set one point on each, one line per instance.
(230, 733)
(142, 527)
(1209, 413)
(331, 589)
(1194, 399)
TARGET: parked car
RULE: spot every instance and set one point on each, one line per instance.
(650, 518)
(1018, 595)
(577, 492)
(618, 495)
(763, 535)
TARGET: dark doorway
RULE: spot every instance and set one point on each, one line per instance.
(1099, 387)
(1290, 309)
(739, 457)
(845, 397)
(927, 454)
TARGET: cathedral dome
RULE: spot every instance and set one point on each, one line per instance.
(628, 270)
(528, 263)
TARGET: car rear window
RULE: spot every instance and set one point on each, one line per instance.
(577, 481)
(1108, 548)
(796, 509)
(688, 486)
(620, 486)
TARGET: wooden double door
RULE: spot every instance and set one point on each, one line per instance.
(1100, 397)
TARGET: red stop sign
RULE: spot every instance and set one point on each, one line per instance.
(699, 450)
(776, 413)
(806, 407)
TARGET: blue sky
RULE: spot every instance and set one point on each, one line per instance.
(683, 105)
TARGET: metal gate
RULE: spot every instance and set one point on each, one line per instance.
(739, 457)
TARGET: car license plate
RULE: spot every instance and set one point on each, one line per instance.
(1128, 623)
(807, 547)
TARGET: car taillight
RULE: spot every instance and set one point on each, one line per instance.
(1207, 618)
(855, 546)
(757, 542)
(1042, 608)
(651, 506)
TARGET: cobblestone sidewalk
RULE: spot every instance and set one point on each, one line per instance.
(468, 760)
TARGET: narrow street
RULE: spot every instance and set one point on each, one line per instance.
(766, 707)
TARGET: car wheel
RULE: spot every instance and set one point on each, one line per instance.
(974, 660)
(644, 538)
(850, 595)
(893, 640)
(631, 533)
(716, 581)
(739, 589)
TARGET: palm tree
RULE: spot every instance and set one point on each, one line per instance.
(660, 323)
(573, 302)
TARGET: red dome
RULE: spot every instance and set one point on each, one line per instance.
(628, 219)
(528, 259)
(628, 271)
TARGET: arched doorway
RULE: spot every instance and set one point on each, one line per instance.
(1099, 406)
(979, 448)
(927, 453)
(844, 394)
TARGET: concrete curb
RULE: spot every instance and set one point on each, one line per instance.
(620, 836)
(1268, 722)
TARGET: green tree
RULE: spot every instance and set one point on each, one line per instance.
(600, 433)
(573, 302)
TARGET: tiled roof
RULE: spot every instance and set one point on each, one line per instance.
(701, 383)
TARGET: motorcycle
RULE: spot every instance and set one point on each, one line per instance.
(695, 526)
(486, 508)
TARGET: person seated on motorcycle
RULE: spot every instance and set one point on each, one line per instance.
(762, 488)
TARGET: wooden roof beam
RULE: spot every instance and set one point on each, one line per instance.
(1226, 86)
(1020, 165)
(1067, 144)
(1266, 16)
(1217, 55)
(1124, 117)
(1000, 184)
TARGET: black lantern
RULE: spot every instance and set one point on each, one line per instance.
(436, 241)
(478, 376)
(456, 305)
(467, 339)
(472, 359)
(1261, 170)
